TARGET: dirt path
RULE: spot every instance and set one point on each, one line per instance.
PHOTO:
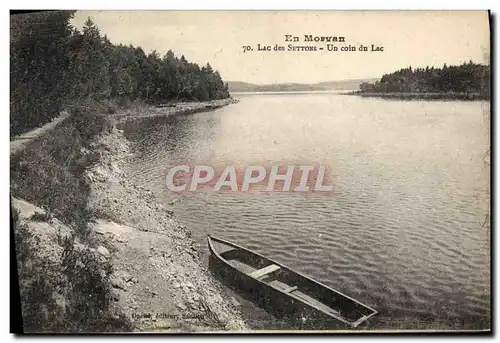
(158, 280)
(18, 143)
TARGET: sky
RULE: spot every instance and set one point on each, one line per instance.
(408, 38)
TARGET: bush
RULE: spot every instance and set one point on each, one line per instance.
(79, 280)
(89, 292)
(39, 309)
(50, 172)
(39, 59)
(41, 217)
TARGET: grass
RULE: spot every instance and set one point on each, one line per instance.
(84, 290)
(41, 217)
(50, 173)
(38, 306)
(89, 293)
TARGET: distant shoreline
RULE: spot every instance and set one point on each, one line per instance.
(294, 92)
(421, 96)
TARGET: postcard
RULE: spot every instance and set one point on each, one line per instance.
(250, 171)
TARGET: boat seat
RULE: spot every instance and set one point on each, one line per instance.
(283, 286)
(264, 271)
(291, 289)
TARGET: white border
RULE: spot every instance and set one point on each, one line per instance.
(259, 4)
(191, 4)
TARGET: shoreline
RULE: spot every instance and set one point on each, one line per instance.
(20, 141)
(181, 108)
(158, 282)
(178, 293)
(421, 96)
(174, 291)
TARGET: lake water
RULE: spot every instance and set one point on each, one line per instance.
(406, 227)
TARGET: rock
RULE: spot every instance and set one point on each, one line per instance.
(182, 306)
(103, 251)
(166, 255)
(120, 280)
(126, 277)
(118, 283)
(26, 209)
(235, 302)
(121, 240)
(109, 235)
(189, 285)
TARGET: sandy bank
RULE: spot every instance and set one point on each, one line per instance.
(165, 110)
(158, 282)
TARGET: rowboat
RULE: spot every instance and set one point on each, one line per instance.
(283, 289)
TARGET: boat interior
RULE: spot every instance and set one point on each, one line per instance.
(294, 285)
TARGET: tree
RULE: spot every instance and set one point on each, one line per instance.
(39, 59)
(91, 59)
(53, 62)
(466, 78)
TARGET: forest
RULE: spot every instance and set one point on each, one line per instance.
(467, 78)
(54, 64)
